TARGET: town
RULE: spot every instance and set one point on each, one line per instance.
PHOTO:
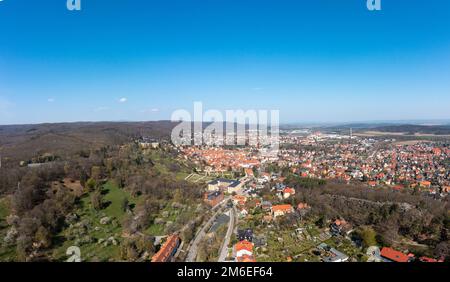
(258, 217)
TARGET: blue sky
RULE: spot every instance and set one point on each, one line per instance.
(314, 60)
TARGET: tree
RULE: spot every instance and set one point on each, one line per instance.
(145, 244)
(321, 221)
(43, 237)
(442, 250)
(24, 243)
(91, 184)
(124, 204)
(97, 200)
(128, 251)
(187, 234)
(367, 236)
(96, 172)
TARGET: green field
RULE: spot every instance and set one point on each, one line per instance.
(197, 178)
(113, 196)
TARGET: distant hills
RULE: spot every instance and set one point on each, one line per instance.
(416, 129)
(18, 142)
(409, 129)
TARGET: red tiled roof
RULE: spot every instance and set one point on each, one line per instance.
(427, 259)
(289, 190)
(240, 198)
(244, 245)
(284, 208)
(167, 249)
(394, 255)
(340, 222)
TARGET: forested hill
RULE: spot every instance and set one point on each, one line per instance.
(21, 142)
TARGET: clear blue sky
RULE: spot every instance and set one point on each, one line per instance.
(314, 60)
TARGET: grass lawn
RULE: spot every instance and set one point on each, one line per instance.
(198, 178)
(163, 163)
(7, 254)
(113, 195)
(155, 230)
(181, 175)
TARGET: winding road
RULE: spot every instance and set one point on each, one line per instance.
(193, 248)
(226, 241)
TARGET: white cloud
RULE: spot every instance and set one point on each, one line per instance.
(123, 100)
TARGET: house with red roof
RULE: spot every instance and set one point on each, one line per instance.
(280, 210)
(391, 255)
(168, 250)
(287, 192)
(239, 200)
(244, 251)
(427, 259)
(213, 198)
(398, 187)
(425, 184)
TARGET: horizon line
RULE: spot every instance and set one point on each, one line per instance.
(442, 122)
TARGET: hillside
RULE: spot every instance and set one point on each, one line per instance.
(21, 142)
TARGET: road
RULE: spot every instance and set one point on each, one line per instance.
(193, 248)
(226, 241)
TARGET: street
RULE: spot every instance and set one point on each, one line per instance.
(193, 249)
(226, 241)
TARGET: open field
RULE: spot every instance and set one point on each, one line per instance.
(410, 142)
(197, 178)
(405, 134)
(92, 231)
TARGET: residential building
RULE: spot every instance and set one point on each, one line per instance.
(213, 198)
(280, 210)
(391, 255)
(168, 249)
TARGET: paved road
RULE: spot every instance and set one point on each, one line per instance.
(226, 241)
(193, 248)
